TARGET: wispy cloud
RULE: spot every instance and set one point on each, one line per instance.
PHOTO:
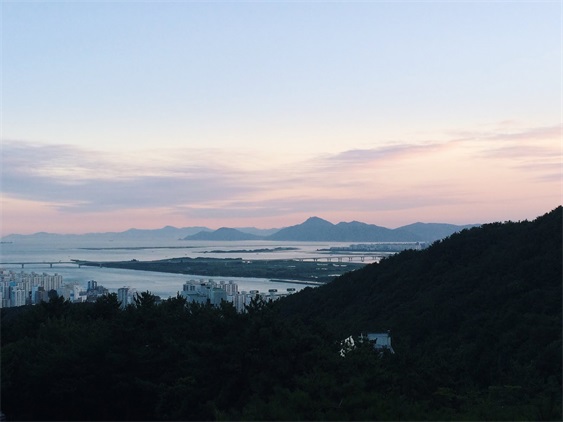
(217, 184)
(89, 180)
(523, 151)
(384, 154)
(322, 205)
(530, 134)
(509, 131)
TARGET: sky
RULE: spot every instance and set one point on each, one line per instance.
(122, 114)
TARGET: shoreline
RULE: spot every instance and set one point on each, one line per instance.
(286, 271)
(309, 283)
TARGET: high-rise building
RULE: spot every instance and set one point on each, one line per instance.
(239, 301)
(17, 297)
(217, 295)
(123, 296)
(231, 288)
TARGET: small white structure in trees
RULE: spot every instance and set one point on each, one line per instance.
(380, 341)
(347, 345)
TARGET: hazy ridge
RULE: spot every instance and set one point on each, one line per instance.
(314, 229)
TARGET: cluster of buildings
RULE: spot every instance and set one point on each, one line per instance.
(202, 291)
(20, 288)
(210, 291)
(213, 292)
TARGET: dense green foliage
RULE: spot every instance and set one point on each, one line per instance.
(477, 315)
(475, 319)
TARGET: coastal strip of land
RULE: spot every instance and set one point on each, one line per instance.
(287, 269)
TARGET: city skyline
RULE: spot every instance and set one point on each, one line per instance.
(246, 114)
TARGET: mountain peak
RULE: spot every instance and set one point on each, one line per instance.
(316, 220)
(223, 233)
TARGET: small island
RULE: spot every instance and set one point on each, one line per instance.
(262, 250)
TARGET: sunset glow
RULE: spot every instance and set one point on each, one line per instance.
(238, 114)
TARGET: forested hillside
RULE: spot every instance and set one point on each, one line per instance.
(476, 313)
(475, 322)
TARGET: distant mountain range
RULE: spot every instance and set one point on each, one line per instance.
(165, 233)
(314, 229)
(224, 233)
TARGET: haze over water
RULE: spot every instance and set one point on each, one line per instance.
(162, 284)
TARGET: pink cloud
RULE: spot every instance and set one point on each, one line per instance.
(469, 180)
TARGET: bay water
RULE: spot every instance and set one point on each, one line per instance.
(43, 251)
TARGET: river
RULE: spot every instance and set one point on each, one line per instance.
(162, 284)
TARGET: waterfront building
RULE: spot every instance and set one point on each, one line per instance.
(77, 294)
(124, 296)
(231, 288)
(17, 297)
(94, 291)
(215, 292)
(5, 291)
(194, 292)
(239, 301)
(205, 292)
(73, 292)
(20, 288)
(38, 295)
(217, 295)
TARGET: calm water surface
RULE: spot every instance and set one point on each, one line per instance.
(162, 284)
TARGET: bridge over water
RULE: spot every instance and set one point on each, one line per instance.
(49, 263)
(80, 263)
(340, 258)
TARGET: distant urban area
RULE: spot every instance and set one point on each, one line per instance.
(20, 288)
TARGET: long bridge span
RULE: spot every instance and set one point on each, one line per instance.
(49, 263)
(340, 258)
(80, 263)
